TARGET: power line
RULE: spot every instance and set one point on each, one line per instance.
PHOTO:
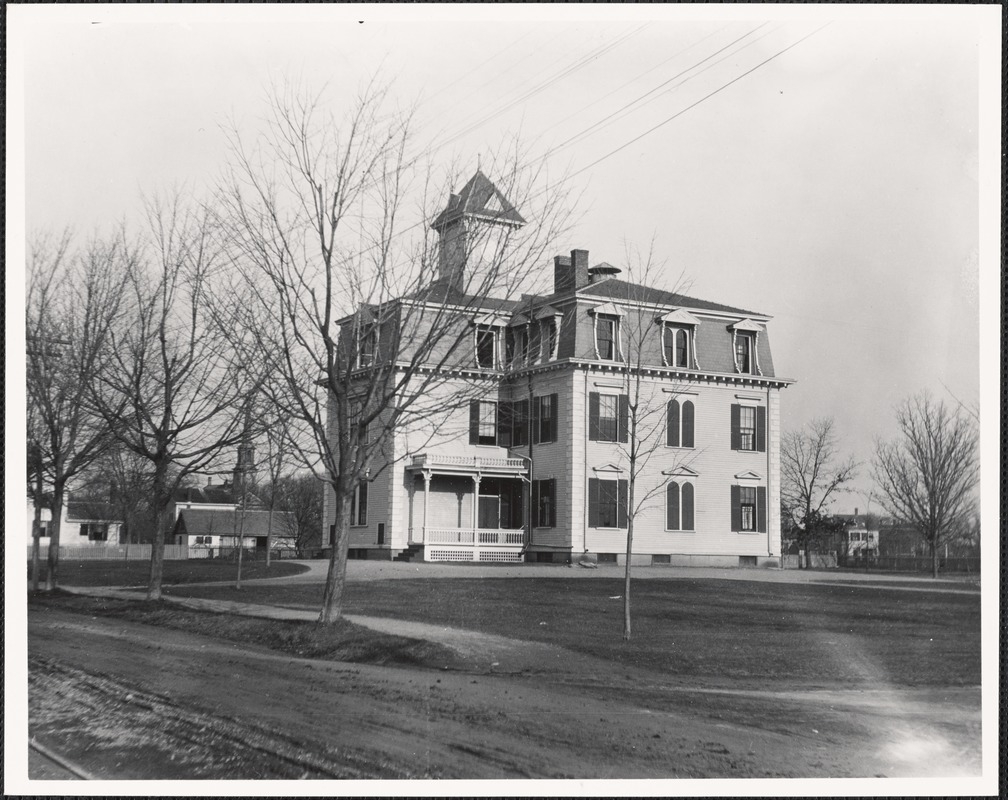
(695, 104)
(606, 119)
(622, 86)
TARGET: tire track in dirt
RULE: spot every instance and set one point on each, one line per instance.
(121, 718)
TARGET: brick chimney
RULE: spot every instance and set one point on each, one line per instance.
(570, 273)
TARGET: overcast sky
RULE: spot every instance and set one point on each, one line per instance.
(835, 187)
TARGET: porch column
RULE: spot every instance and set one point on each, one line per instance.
(426, 501)
(475, 516)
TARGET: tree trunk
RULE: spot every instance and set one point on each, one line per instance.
(241, 541)
(332, 599)
(629, 552)
(36, 534)
(161, 504)
(52, 564)
(269, 535)
(934, 558)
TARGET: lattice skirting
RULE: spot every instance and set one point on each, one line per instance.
(465, 554)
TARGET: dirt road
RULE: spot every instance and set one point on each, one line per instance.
(127, 700)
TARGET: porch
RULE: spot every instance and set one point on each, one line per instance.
(467, 508)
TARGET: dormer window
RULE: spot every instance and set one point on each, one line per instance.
(677, 347)
(486, 346)
(487, 332)
(516, 346)
(745, 335)
(548, 339)
(606, 328)
(678, 332)
(743, 353)
(607, 332)
(368, 346)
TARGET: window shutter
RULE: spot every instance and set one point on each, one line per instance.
(362, 511)
(505, 423)
(553, 502)
(736, 507)
(672, 506)
(622, 503)
(761, 429)
(761, 509)
(593, 416)
(536, 419)
(624, 416)
(474, 421)
(736, 429)
(332, 534)
(593, 502)
(687, 507)
(535, 503)
(554, 421)
(687, 424)
(672, 424)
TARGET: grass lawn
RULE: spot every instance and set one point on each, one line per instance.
(137, 573)
(710, 631)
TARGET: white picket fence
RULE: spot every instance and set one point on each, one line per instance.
(114, 552)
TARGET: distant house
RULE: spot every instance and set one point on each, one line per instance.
(207, 530)
(83, 523)
(857, 540)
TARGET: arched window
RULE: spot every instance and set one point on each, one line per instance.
(672, 506)
(679, 424)
(681, 348)
(686, 507)
(679, 506)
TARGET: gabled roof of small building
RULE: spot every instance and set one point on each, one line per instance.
(94, 510)
(481, 198)
(202, 521)
(216, 494)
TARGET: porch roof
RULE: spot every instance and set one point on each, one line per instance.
(436, 463)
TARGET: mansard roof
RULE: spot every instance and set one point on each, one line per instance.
(615, 289)
(442, 291)
(480, 198)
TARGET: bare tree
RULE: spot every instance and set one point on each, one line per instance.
(348, 312)
(173, 393)
(813, 473)
(644, 421)
(73, 298)
(299, 498)
(927, 474)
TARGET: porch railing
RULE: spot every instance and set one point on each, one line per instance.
(467, 536)
(474, 462)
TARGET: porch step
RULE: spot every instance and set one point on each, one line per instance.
(411, 552)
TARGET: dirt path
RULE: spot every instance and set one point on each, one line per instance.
(194, 706)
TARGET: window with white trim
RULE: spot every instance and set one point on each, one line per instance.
(368, 345)
(744, 356)
(547, 339)
(747, 507)
(747, 428)
(516, 345)
(679, 423)
(486, 346)
(358, 505)
(487, 423)
(606, 336)
(677, 346)
(607, 503)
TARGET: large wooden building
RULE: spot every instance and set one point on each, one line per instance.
(535, 464)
